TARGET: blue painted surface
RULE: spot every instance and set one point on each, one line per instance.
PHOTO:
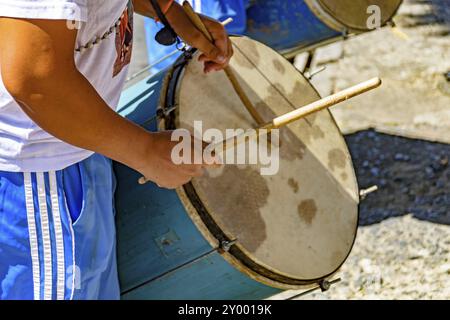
(155, 234)
(210, 278)
(285, 24)
(280, 24)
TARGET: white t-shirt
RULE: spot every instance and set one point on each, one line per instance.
(26, 147)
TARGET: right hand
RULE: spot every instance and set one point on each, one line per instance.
(163, 171)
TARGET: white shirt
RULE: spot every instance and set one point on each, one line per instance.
(24, 146)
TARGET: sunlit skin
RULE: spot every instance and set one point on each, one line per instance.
(38, 70)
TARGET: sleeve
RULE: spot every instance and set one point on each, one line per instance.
(73, 10)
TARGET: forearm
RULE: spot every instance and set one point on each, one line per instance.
(145, 8)
(176, 16)
(69, 108)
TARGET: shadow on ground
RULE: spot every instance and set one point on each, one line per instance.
(413, 176)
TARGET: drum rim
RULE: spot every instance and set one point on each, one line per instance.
(323, 13)
(198, 212)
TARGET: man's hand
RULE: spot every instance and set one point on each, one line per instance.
(217, 56)
(161, 169)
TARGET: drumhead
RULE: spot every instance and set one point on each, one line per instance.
(296, 226)
(352, 14)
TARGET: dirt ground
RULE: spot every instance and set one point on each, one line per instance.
(402, 250)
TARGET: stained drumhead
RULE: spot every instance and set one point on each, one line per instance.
(354, 14)
(301, 222)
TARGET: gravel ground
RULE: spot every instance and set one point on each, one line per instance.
(413, 61)
(413, 176)
(402, 250)
(399, 258)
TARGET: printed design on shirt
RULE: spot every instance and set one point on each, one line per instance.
(124, 40)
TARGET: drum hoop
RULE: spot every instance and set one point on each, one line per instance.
(335, 23)
(205, 222)
(325, 17)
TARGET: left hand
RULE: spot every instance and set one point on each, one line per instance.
(216, 55)
(216, 60)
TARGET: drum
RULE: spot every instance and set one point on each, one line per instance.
(292, 25)
(234, 233)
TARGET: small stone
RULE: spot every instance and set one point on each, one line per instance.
(398, 157)
(429, 171)
(375, 171)
(445, 268)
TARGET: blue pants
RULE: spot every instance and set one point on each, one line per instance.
(57, 233)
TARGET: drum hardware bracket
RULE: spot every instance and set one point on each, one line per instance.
(161, 113)
(311, 74)
(365, 192)
(345, 33)
(324, 285)
(225, 246)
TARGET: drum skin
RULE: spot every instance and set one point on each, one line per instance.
(293, 229)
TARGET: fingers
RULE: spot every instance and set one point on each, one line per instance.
(211, 52)
(222, 42)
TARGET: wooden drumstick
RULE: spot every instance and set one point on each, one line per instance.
(300, 113)
(194, 17)
(295, 115)
(323, 103)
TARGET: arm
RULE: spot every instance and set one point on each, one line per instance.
(216, 56)
(38, 70)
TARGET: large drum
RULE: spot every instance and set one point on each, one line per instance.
(236, 234)
(292, 25)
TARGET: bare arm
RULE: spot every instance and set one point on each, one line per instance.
(38, 70)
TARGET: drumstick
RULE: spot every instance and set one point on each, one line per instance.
(323, 103)
(294, 115)
(194, 17)
(300, 113)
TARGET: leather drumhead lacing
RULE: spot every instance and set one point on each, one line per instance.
(297, 226)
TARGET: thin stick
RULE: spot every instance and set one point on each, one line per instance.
(300, 113)
(230, 74)
(295, 115)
